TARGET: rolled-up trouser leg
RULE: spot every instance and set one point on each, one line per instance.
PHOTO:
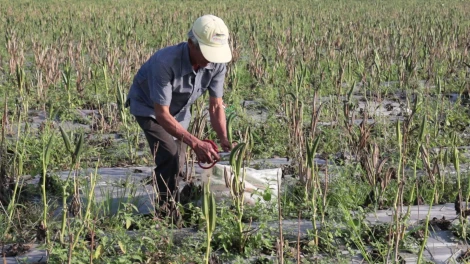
(166, 155)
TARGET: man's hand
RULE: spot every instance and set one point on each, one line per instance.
(226, 145)
(205, 152)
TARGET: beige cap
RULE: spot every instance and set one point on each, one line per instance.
(212, 35)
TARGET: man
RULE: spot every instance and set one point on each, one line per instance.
(167, 85)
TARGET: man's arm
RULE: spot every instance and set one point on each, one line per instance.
(216, 107)
(204, 151)
(218, 123)
(161, 94)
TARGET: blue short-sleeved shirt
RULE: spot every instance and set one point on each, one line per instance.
(168, 78)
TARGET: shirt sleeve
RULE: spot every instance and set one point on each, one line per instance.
(216, 86)
(160, 87)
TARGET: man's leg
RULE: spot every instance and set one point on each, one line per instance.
(166, 155)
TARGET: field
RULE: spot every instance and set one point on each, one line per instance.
(364, 105)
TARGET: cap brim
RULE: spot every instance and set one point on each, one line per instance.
(220, 54)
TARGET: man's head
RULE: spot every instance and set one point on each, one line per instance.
(209, 35)
(195, 53)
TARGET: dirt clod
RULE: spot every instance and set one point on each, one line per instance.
(442, 223)
(460, 208)
(15, 250)
(41, 232)
(464, 257)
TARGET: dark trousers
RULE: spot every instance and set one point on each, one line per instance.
(169, 155)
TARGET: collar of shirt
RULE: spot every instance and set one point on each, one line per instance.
(186, 66)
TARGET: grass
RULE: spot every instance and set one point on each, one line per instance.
(314, 69)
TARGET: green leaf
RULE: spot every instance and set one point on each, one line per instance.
(446, 158)
(267, 196)
(234, 154)
(205, 201)
(122, 247)
(213, 213)
(399, 136)
(293, 96)
(422, 129)
(311, 150)
(229, 127)
(78, 149)
(351, 91)
(147, 238)
(98, 251)
(456, 159)
(137, 257)
(47, 151)
(240, 157)
(66, 139)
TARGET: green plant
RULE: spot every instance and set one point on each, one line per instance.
(426, 228)
(132, 134)
(47, 148)
(312, 185)
(75, 160)
(459, 199)
(66, 79)
(85, 221)
(210, 216)
(396, 203)
(237, 186)
(18, 162)
(356, 226)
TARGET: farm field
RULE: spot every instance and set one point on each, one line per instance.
(352, 118)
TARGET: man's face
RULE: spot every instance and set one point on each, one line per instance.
(196, 55)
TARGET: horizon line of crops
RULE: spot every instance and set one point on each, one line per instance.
(340, 48)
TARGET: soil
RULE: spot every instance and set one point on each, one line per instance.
(442, 223)
(464, 257)
(15, 250)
